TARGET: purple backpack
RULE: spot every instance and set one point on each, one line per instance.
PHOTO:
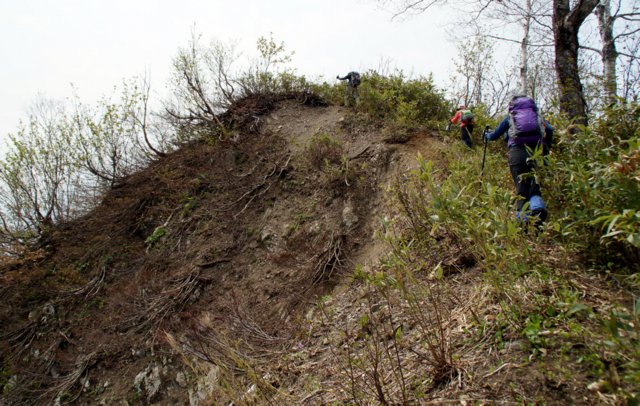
(524, 121)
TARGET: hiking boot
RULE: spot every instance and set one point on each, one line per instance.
(538, 210)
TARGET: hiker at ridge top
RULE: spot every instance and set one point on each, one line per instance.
(465, 118)
(351, 90)
(525, 129)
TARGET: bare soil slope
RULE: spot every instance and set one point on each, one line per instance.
(240, 236)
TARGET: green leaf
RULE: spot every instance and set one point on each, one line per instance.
(438, 271)
(612, 325)
(398, 332)
(576, 308)
(634, 239)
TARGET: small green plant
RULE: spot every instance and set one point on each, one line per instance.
(81, 266)
(324, 151)
(135, 396)
(157, 234)
(396, 312)
(97, 303)
(533, 328)
(189, 203)
(6, 376)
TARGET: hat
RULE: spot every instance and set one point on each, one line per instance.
(518, 94)
(460, 107)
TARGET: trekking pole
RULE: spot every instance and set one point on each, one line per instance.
(484, 154)
(449, 123)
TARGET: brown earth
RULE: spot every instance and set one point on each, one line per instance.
(208, 266)
(245, 231)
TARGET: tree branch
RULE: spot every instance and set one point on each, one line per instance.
(415, 5)
(516, 41)
(599, 52)
(581, 11)
(626, 34)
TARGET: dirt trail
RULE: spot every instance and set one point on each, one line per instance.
(299, 124)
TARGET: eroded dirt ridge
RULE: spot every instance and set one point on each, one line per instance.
(216, 244)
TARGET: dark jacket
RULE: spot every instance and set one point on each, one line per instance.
(350, 76)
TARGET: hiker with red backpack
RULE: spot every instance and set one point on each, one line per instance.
(525, 130)
(351, 90)
(465, 118)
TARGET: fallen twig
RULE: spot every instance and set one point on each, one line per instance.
(257, 189)
(312, 395)
(506, 364)
(213, 263)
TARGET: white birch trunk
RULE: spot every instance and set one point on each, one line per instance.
(609, 51)
(524, 49)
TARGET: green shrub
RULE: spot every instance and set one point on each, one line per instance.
(405, 101)
(331, 93)
(408, 102)
(268, 83)
(623, 345)
(471, 213)
(593, 186)
(591, 183)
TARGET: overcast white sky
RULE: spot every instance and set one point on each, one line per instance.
(47, 45)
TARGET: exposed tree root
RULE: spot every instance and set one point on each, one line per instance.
(64, 384)
(92, 287)
(329, 259)
(179, 292)
(20, 339)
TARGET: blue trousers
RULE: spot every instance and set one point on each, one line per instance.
(527, 189)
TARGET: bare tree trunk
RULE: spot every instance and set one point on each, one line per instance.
(479, 79)
(566, 24)
(609, 51)
(524, 49)
(467, 93)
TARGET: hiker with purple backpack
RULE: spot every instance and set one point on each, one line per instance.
(525, 130)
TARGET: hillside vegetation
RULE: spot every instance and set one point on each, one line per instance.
(290, 250)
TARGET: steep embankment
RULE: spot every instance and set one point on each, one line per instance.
(239, 237)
